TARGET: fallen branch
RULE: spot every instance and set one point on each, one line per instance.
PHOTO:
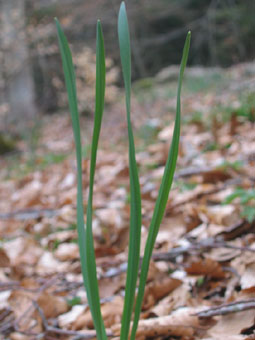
(195, 246)
(224, 309)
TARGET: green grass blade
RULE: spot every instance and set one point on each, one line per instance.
(135, 201)
(163, 194)
(92, 283)
(85, 238)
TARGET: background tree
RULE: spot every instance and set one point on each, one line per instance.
(17, 82)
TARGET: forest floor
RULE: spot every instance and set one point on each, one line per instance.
(201, 282)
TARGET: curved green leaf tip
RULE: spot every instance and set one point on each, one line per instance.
(85, 237)
(135, 195)
(163, 194)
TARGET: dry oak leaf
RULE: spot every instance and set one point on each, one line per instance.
(18, 336)
(4, 259)
(24, 312)
(23, 251)
(159, 288)
(248, 278)
(29, 195)
(111, 313)
(244, 265)
(60, 236)
(223, 214)
(19, 301)
(4, 296)
(181, 322)
(48, 265)
(51, 305)
(215, 175)
(68, 318)
(232, 325)
(206, 267)
(227, 337)
(177, 298)
(67, 252)
(110, 286)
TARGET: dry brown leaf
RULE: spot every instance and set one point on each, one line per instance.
(21, 304)
(61, 236)
(166, 133)
(226, 337)
(47, 265)
(224, 254)
(250, 337)
(205, 267)
(24, 253)
(51, 305)
(4, 296)
(181, 323)
(177, 298)
(110, 286)
(248, 277)
(66, 319)
(244, 266)
(171, 229)
(18, 336)
(238, 229)
(29, 195)
(109, 217)
(232, 324)
(4, 259)
(67, 252)
(111, 313)
(215, 175)
(157, 289)
(223, 214)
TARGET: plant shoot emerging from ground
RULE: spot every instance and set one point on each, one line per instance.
(85, 236)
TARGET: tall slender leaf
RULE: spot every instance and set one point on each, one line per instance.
(135, 201)
(163, 193)
(92, 285)
(85, 237)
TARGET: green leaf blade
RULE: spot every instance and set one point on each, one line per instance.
(92, 284)
(72, 100)
(163, 194)
(135, 201)
(85, 237)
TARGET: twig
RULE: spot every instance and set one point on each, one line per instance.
(16, 323)
(210, 243)
(15, 285)
(9, 285)
(6, 326)
(224, 309)
(201, 246)
(191, 171)
(5, 313)
(28, 214)
(89, 334)
(199, 195)
(7, 320)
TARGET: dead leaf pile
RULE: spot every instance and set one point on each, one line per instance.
(201, 282)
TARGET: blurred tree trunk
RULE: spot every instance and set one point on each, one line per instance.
(19, 85)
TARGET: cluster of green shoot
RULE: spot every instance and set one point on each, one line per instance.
(132, 302)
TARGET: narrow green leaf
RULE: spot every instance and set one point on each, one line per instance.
(92, 283)
(163, 194)
(135, 196)
(85, 237)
